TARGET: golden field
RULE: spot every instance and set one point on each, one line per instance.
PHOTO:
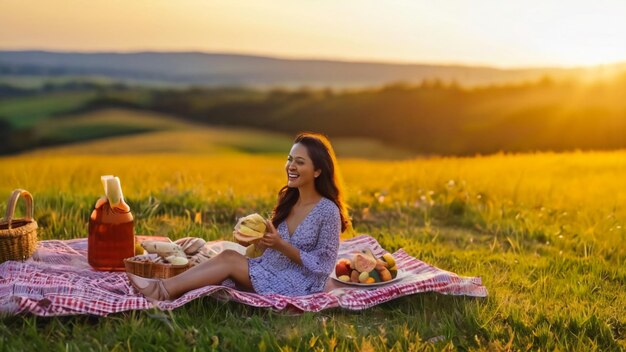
(545, 231)
(585, 189)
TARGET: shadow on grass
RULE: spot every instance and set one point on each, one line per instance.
(427, 319)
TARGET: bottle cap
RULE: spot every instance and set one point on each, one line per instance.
(113, 191)
(104, 181)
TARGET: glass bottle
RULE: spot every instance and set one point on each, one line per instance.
(111, 229)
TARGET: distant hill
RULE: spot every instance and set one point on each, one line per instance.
(215, 69)
(123, 131)
(425, 119)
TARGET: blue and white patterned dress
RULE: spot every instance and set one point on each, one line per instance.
(317, 238)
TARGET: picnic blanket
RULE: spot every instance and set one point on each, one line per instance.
(57, 280)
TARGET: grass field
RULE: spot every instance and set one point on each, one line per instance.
(29, 111)
(123, 131)
(544, 231)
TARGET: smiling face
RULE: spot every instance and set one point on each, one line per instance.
(300, 169)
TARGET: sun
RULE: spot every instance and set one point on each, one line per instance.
(585, 37)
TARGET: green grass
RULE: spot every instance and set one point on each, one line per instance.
(544, 231)
(29, 111)
(105, 123)
(207, 324)
(123, 131)
(35, 82)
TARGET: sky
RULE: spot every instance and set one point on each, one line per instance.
(506, 34)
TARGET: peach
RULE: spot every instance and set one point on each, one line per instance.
(342, 267)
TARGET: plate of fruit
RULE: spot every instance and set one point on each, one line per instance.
(364, 269)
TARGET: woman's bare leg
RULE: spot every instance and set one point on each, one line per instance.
(227, 264)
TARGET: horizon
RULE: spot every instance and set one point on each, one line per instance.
(486, 33)
(320, 59)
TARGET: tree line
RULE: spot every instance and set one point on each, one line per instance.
(427, 118)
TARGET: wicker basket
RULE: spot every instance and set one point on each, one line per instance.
(143, 267)
(18, 237)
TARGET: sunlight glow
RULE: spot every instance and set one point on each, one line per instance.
(484, 32)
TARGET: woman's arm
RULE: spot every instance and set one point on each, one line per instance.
(321, 259)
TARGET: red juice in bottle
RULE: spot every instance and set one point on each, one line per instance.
(111, 230)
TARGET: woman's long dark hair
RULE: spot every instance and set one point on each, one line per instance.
(328, 183)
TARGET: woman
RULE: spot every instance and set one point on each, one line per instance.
(300, 244)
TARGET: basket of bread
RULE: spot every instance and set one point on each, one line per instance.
(167, 259)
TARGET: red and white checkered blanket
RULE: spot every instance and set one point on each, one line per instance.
(57, 280)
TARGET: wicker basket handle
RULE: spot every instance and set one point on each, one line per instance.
(13, 203)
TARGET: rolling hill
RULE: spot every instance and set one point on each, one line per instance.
(122, 131)
(218, 69)
(427, 119)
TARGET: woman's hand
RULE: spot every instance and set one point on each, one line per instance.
(271, 238)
